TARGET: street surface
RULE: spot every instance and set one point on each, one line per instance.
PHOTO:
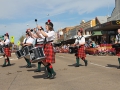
(100, 74)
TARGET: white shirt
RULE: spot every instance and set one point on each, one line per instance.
(80, 40)
(51, 36)
(7, 41)
(29, 40)
(41, 39)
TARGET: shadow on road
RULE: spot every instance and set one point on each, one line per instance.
(42, 69)
(10, 65)
(33, 65)
(113, 66)
(39, 76)
(73, 65)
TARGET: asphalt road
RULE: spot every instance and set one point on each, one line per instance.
(100, 74)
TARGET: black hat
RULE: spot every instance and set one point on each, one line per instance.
(6, 34)
(27, 32)
(80, 30)
(49, 23)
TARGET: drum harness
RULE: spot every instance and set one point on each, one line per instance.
(78, 38)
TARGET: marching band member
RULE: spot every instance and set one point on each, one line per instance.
(48, 48)
(80, 43)
(27, 42)
(118, 49)
(6, 43)
(38, 42)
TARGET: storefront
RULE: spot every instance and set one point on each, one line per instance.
(105, 33)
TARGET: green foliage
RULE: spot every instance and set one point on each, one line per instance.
(22, 38)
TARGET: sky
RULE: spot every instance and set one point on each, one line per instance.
(18, 15)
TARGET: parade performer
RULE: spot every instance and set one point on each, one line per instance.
(27, 42)
(118, 49)
(38, 43)
(7, 51)
(80, 44)
(48, 48)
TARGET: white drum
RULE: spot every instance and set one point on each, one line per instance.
(37, 54)
(19, 54)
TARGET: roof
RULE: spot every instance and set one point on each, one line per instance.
(101, 19)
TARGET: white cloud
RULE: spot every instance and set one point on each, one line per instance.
(22, 8)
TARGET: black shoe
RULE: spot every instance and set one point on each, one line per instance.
(86, 62)
(77, 65)
(47, 77)
(3, 65)
(53, 76)
(29, 67)
(118, 67)
(37, 70)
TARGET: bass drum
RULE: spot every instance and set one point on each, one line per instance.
(116, 45)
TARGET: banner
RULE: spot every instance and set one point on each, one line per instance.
(18, 43)
(12, 39)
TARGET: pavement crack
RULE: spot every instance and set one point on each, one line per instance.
(13, 81)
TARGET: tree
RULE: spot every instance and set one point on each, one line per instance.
(22, 38)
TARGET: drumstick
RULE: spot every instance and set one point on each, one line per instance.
(36, 23)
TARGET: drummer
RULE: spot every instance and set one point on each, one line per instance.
(27, 42)
(118, 49)
(80, 42)
(6, 43)
(48, 48)
(38, 42)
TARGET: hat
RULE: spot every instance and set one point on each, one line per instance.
(27, 32)
(49, 23)
(6, 34)
(80, 30)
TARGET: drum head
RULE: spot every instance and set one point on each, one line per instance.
(19, 54)
(38, 60)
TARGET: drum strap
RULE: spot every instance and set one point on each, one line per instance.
(25, 41)
(79, 38)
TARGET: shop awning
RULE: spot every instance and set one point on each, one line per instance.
(96, 33)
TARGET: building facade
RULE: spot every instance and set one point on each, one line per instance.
(84, 25)
(116, 12)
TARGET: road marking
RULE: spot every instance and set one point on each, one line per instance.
(99, 65)
(12, 53)
(61, 56)
(1, 57)
(14, 59)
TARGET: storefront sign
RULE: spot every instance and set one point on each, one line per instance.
(116, 22)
